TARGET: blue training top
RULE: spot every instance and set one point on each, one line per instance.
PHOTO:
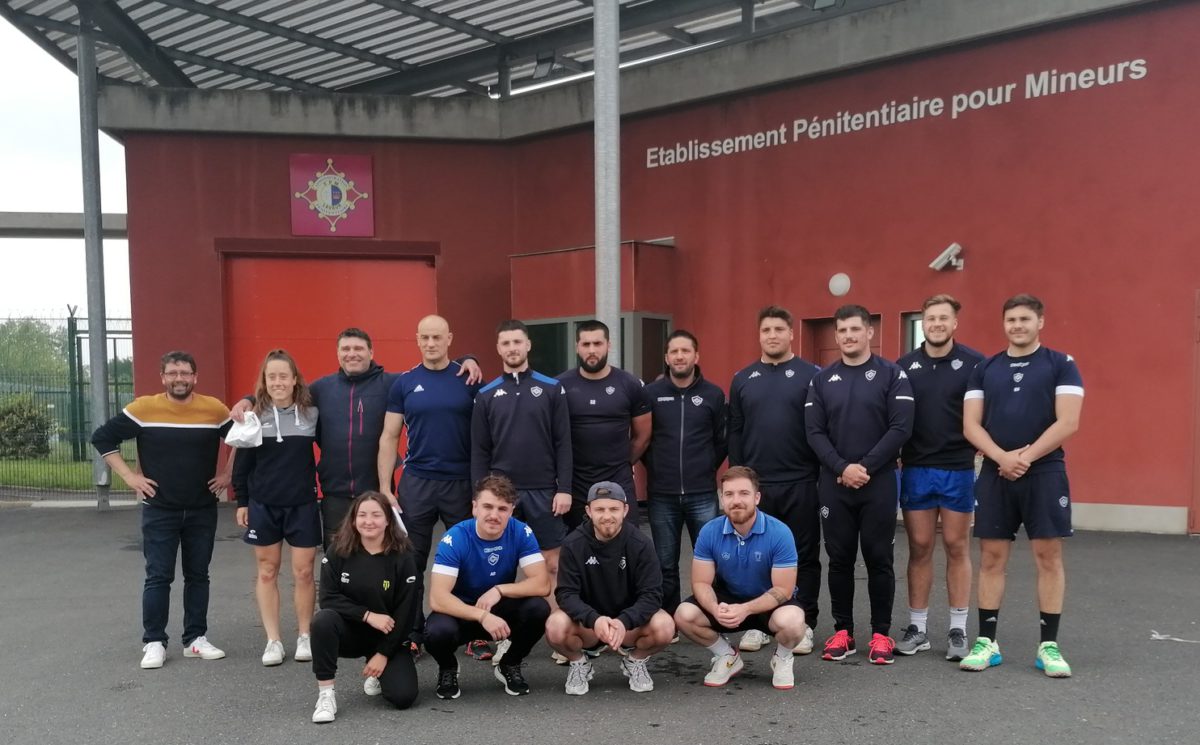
(480, 565)
(436, 405)
(744, 563)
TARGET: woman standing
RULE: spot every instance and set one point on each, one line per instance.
(368, 592)
(276, 487)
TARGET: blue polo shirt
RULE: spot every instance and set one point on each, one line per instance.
(436, 405)
(479, 565)
(744, 563)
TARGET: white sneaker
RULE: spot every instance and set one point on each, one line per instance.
(326, 710)
(371, 686)
(558, 659)
(806, 644)
(638, 674)
(303, 649)
(782, 676)
(752, 641)
(154, 655)
(578, 675)
(502, 647)
(273, 654)
(724, 667)
(201, 647)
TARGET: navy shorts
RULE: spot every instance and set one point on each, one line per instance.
(299, 525)
(753, 622)
(923, 488)
(535, 508)
(1040, 501)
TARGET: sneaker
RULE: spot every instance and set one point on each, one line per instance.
(806, 644)
(984, 654)
(303, 649)
(326, 710)
(675, 639)
(558, 658)
(956, 645)
(154, 655)
(638, 674)
(201, 647)
(447, 685)
(914, 641)
(880, 649)
(1051, 662)
(501, 649)
(724, 667)
(579, 672)
(513, 679)
(752, 641)
(480, 649)
(782, 676)
(273, 654)
(838, 646)
(595, 651)
(371, 686)
(414, 649)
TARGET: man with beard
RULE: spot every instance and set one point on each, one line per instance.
(687, 445)
(609, 593)
(743, 577)
(858, 415)
(766, 433)
(610, 421)
(938, 476)
(178, 440)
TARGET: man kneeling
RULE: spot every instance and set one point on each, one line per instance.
(473, 592)
(609, 593)
(743, 578)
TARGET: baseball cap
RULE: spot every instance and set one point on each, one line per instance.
(606, 490)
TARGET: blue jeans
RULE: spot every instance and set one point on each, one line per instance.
(668, 514)
(164, 533)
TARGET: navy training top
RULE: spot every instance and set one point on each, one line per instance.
(436, 405)
(766, 421)
(520, 428)
(602, 412)
(939, 384)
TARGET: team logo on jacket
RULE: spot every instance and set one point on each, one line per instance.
(622, 564)
(956, 364)
(493, 559)
(1063, 502)
(536, 391)
(758, 555)
(1018, 377)
(870, 374)
(824, 512)
(387, 585)
(789, 373)
(345, 578)
(697, 400)
(610, 390)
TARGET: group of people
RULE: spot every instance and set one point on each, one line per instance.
(532, 477)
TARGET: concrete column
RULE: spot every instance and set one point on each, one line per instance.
(608, 170)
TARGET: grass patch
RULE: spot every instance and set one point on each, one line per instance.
(59, 470)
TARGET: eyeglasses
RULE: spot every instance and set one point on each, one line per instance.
(173, 374)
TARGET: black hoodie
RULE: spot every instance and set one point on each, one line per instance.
(620, 579)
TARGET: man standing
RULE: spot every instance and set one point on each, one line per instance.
(609, 593)
(1021, 406)
(766, 433)
(859, 414)
(474, 593)
(178, 439)
(743, 577)
(687, 445)
(520, 429)
(938, 476)
(610, 421)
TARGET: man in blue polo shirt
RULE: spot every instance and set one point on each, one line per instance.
(473, 590)
(743, 577)
(939, 475)
(1021, 405)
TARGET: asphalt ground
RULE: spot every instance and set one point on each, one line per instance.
(70, 646)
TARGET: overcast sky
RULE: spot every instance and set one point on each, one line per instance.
(39, 157)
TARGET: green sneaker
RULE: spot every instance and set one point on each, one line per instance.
(985, 654)
(1051, 662)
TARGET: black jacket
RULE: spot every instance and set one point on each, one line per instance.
(687, 442)
(620, 579)
(352, 411)
(379, 583)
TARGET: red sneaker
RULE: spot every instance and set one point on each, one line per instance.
(838, 646)
(881, 650)
(480, 649)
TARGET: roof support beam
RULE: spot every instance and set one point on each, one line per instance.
(443, 19)
(122, 31)
(242, 70)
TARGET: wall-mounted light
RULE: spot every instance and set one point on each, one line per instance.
(839, 284)
(949, 257)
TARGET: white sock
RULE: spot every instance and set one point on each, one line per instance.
(783, 652)
(958, 618)
(721, 647)
(324, 687)
(919, 617)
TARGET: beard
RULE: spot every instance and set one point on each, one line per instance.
(939, 344)
(594, 368)
(684, 374)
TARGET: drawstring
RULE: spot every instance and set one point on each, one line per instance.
(278, 430)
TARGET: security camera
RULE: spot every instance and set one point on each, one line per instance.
(946, 258)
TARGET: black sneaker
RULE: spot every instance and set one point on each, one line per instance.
(512, 678)
(447, 686)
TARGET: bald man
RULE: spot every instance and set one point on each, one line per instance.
(435, 403)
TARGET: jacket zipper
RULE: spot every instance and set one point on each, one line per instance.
(350, 441)
(682, 409)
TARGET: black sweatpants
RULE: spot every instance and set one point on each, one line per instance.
(854, 517)
(795, 503)
(423, 502)
(334, 636)
(333, 512)
(526, 618)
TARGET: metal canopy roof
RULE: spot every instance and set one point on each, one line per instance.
(413, 47)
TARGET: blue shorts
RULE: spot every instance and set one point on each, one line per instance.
(923, 488)
(535, 508)
(299, 525)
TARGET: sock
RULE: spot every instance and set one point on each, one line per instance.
(721, 647)
(919, 617)
(783, 652)
(988, 618)
(1050, 626)
(324, 687)
(958, 618)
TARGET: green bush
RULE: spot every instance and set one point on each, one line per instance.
(25, 427)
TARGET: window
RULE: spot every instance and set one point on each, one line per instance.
(553, 342)
(914, 335)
